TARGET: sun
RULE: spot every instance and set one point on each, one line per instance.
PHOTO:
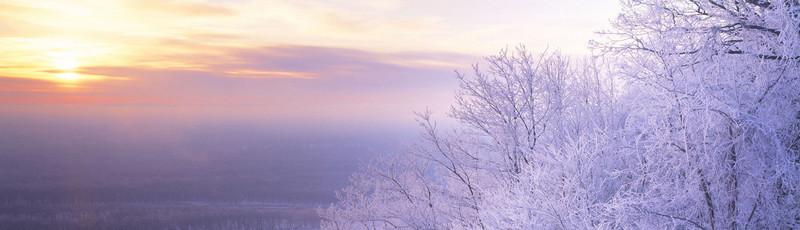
(69, 76)
(64, 60)
(65, 63)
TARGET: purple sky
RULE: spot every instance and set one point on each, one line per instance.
(284, 61)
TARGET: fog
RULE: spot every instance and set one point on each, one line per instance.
(105, 166)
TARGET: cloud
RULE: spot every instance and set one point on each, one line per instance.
(318, 62)
(20, 85)
(346, 83)
(192, 72)
(348, 70)
(287, 75)
(290, 55)
(181, 8)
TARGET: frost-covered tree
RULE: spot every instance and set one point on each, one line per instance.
(713, 136)
(705, 133)
(531, 145)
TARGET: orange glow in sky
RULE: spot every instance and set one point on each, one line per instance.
(260, 52)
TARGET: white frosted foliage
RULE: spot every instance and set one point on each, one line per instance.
(689, 117)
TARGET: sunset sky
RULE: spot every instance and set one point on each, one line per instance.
(283, 60)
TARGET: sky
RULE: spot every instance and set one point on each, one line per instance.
(349, 61)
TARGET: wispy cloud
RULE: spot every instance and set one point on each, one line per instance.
(178, 8)
(264, 52)
(290, 74)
